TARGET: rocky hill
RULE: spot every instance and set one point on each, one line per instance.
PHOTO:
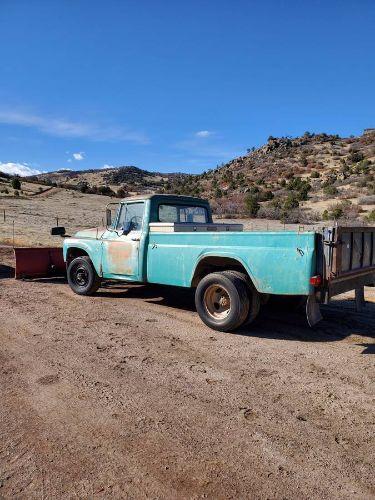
(307, 178)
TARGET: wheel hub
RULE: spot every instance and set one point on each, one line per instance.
(81, 276)
(217, 302)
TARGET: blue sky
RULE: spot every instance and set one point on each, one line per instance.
(177, 86)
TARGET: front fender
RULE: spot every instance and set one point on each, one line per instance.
(93, 248)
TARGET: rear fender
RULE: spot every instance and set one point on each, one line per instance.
(226, 255)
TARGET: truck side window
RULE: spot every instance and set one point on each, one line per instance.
(131, 212)
(182, 213)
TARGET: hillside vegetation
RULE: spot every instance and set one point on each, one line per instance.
(304, 179)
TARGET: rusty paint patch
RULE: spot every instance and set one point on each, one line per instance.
(121, 258)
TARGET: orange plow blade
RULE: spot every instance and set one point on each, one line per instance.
(39, 262)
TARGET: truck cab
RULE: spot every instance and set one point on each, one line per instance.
(125, 240)
(118, 251)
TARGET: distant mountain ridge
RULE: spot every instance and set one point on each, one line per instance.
(128, 179)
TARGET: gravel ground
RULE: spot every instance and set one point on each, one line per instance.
(127, 394)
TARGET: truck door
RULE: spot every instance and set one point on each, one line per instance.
(120, 246)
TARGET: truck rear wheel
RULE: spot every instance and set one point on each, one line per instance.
(254, 296)
(82, 276)
(222, 301)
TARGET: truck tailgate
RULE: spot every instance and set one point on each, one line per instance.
(349, 258)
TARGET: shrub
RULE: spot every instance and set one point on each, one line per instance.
(292, 201)
(355, 156)
(218, 193)
(266, 195)
(269, 212)
(315, 175)
(121, 193)
(251, 205)
(304, 161)
(105, 191)
(16, 183)
(300, 185)
(371, 216)
(337, 212)
(253, 190)
(330, 190)
(325, 215)
(16, 193)
(83, 186)
(346, 209)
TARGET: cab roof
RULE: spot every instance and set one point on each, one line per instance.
(165, 197)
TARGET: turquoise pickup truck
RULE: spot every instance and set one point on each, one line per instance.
(172, 240)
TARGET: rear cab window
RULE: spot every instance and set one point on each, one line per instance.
(182, 213)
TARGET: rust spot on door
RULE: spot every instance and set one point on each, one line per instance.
(121, 257)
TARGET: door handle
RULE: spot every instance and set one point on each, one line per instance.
(136, 239)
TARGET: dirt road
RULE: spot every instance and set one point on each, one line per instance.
(127, 394)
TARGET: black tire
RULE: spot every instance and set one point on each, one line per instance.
(82, 276)
(232, 301)
(254, 296)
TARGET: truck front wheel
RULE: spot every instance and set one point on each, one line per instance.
(222, 301)
(82, 276)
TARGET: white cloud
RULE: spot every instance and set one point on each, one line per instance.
(105, 167)
(79, 156)
(65, 128)
(21, 169)
(69, 160)
(203, 133)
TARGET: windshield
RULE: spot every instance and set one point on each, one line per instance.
(182, 213)
(131, 212)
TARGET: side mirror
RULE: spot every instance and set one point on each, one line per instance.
(58, 231)
(108, 217)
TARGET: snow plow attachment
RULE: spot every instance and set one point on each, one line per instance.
(39, 262)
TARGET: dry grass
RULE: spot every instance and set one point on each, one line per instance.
(34, 216)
